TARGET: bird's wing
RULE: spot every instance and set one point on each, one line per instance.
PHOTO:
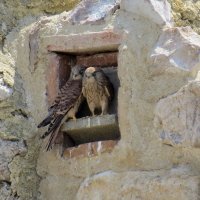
(58, 101)
(66, 99)
(62, 92)
(83, 87)
(109, 88)
(105, 82)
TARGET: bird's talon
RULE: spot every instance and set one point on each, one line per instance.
(74, 118)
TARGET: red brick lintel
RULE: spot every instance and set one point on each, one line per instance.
(84, 43)
(90, 149)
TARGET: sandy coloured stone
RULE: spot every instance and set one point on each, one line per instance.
(176, 49)
(130, 167)
(92, 12)
(8, 149)
(177, 117)
(157, 185)
(156, 11)
(89, 42)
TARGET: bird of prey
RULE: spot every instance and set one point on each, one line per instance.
(97, 89)
(65, 106)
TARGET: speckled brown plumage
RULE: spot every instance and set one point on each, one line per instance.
(65, 105)
(97, 90)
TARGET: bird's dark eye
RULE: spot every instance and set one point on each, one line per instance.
(94, 73)
(82, 71)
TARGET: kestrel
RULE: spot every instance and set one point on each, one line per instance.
(65, 106)
(97, 89)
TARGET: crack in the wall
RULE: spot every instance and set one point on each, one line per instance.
(19, 112)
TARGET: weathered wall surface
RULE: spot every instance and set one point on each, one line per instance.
(158, 103)
(12, 11)
(18, 147)
(186, 13)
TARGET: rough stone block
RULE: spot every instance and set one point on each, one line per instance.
(5, 91)
(8, 149)
(6, 192)
(177, 117)
(7, 74)
(176, 49)
(156, 11)
(90, 11)
(155, 185)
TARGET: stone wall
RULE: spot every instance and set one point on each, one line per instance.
(186, 13)
(13, 11)
(157, 156)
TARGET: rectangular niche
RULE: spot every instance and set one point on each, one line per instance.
(100, 50)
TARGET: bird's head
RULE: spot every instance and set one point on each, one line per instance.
(90, 74)
(77, 72)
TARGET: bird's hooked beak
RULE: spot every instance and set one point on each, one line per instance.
(90, 73)
(88, 76)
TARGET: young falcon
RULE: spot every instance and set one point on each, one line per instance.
(97, 89)
(65, 105)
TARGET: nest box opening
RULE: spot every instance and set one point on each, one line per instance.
(86, 129)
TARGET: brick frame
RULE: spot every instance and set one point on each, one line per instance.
(105, 42)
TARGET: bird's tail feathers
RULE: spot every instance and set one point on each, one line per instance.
(45, 122)
(53, 129)
(52, 139)
(53, 125)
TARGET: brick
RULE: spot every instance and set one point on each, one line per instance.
(83, 43)
(90, 149)
(58, 73)
(99, 60)
(52, 77)
(64, 69)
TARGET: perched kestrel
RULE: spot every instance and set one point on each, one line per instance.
(97, 89)
(65, 106)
